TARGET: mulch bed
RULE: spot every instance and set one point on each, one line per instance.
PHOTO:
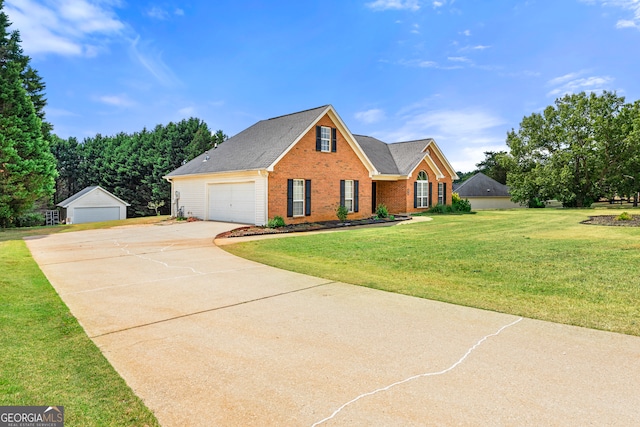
(611, 220)
(307, 226)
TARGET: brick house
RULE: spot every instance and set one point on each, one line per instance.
(302, 166)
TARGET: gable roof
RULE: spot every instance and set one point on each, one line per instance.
(262, 145)
(256, 147)
(80, 194)
(480, 185)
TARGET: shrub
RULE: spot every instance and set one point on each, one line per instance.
(440, 209)
(276, 222)
(455, 197)
(536, 203)
(342, 212)
(624, 216)
(382, 211)
(30, 219)
(460, 205)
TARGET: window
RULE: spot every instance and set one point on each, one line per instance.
(441, 193)
(298, 197)
(325, 139)
(348, 195)
(422, 190)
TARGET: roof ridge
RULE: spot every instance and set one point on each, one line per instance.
(298, 112)
(414, 140)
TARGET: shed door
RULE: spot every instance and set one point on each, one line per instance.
(233, 202)
(81, 215)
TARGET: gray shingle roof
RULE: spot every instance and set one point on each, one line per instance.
(81, 193)
(256, 147)
(379, 154)
(408, 154)
(481, 185)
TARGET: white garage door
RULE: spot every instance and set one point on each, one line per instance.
(81, 215)
(233, 202)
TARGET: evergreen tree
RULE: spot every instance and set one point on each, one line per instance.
(27, 167)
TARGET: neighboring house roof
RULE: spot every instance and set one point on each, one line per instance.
(262, 145)
(80, 194)
(481, 185)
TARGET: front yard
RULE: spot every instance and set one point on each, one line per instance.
(540, 264)
(47, 358)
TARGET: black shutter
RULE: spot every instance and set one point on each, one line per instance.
(444, 193)
(415, 194)
(342, 192)
(373, 196)
(307, 197)
(430, 191)
(334, 140)
(289, 197)
(318, 138)
(356, 204)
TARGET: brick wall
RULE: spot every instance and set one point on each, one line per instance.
(325, 170)
(393, 194)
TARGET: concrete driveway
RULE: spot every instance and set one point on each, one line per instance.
(208, 339)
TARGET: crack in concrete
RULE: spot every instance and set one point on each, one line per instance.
(428, 374)
(211, 310)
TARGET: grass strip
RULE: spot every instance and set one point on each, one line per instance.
(537, 263)
(47, 359)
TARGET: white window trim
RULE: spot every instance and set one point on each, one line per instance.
(349, 187)
(298, 202)
(441, 193)
(325, 143)
(423, 192)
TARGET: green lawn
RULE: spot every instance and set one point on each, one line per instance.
(537, 263)
(47, 359)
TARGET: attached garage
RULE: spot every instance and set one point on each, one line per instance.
(93, 204)
(232, 202)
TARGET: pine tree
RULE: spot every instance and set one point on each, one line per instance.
(27, 167)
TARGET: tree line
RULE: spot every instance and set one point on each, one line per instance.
(131, 166)
(39, 169)
(583, 148)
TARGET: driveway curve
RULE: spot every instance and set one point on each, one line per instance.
(209, 339)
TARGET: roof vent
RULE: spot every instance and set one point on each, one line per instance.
(206, 156)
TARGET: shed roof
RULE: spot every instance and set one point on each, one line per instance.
(480, 185)
(80, 194)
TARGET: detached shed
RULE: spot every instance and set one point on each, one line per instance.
(93, 204)
(485, 193)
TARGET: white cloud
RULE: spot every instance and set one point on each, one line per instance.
(116, 100)
(428, 64)
(66, 27)
(158, 13)
(152, 61)
(631, 5)
(437, 4)
(163, 14)
(59, 112)
(458, 59)
(574, 82)
(466, 33)
(464, 135)
(370, 116)
(412, 5)
(187, 112)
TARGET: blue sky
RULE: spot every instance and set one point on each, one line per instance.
(463, 72)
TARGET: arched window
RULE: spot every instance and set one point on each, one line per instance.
(422, 190)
